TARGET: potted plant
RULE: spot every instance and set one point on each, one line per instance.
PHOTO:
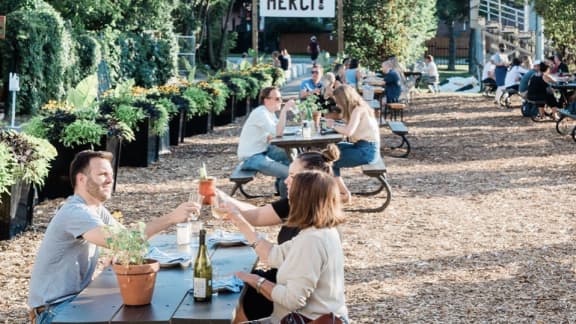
(135, 273)
(207, 186)
(311, 109)
(24, 163)
(218, 94)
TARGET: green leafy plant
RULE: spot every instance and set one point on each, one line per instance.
(309, 105)
(199, 101)
(128, 245)
(23, 157)
(202, 172)
(218, 93)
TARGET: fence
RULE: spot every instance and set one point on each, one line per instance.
(439, 47)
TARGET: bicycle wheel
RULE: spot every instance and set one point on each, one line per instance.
(574, 134)
(565, 125)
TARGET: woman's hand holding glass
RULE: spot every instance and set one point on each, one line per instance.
(218, 207)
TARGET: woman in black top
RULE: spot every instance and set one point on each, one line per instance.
(538, 90)
(253, 305)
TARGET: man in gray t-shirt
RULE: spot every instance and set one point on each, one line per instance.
(68, 255)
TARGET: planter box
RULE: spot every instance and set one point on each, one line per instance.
(57, 184)
(16, 210)
(176, 126)
(227, 116)
(144, 150)
(198, 125)
(242, 107)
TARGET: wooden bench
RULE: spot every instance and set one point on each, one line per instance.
(241, 177)
(394, 110)
(376, 170)
(398, 128)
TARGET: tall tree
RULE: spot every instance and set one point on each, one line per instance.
(452, 12)
(559, 25)
(377, 29)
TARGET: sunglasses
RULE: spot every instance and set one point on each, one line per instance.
(315, 72)
(275, 98)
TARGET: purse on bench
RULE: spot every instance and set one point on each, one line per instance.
(297, 318)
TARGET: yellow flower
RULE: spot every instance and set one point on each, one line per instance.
(54, 105)
(117, 214)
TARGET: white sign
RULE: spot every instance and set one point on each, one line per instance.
(297, 8)
(14, 82)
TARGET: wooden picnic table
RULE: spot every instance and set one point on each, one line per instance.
(298, 142)
(172, 302)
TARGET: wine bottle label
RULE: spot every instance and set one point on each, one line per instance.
(200, 287)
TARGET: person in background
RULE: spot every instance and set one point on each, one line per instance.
(340, 73)
(310, 277)
(361, 128)
(313, 85)
(500, 59)
(275, 59)
(527, 62)
(559, 67)
(68, 254)
(512, 80)
(262, 125)
(432, 76)
(244, 64)
(285, 60)
(329, 83)
(253, 306)
(488, 78)
(313, 49)
(353, 74)
(523, 85)
(392, 81)
(539, 90)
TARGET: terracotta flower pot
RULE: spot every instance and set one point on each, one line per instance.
(316, 117)
(136, 282)
(207, 189)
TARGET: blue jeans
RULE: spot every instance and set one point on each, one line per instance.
(51, 311)
(355, 154)
(274, 162)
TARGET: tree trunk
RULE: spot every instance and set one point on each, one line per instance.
(452, 48)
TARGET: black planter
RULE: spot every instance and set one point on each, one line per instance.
(142, 151)
(198, 125)
(114, 146)
(241, 107)
(227, 116)
(16, 210)
(176, 126)
(57, 183)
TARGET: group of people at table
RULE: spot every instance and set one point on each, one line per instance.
(531, 80)
(308, 257)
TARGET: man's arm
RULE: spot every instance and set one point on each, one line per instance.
(182, 213)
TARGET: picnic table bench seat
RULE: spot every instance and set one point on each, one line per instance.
(376, 170)
(398, 128)
(241, 177)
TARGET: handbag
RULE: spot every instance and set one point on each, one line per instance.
(297, 318)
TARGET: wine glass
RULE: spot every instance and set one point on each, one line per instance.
(218, 207)
(195, 197)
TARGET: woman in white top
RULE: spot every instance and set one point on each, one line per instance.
(512, 79)
(432, 74)
(310, 276)
(362, 131)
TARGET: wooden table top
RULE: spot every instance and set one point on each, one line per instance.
(172, 302)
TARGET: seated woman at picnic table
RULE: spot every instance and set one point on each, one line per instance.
(539, 90)
(362, 130)
(512, 79)
(310, 277)
(253, 305)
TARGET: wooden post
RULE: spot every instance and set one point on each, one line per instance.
(255, 31)
(340, 27)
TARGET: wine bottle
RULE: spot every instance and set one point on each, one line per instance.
(202, 272)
